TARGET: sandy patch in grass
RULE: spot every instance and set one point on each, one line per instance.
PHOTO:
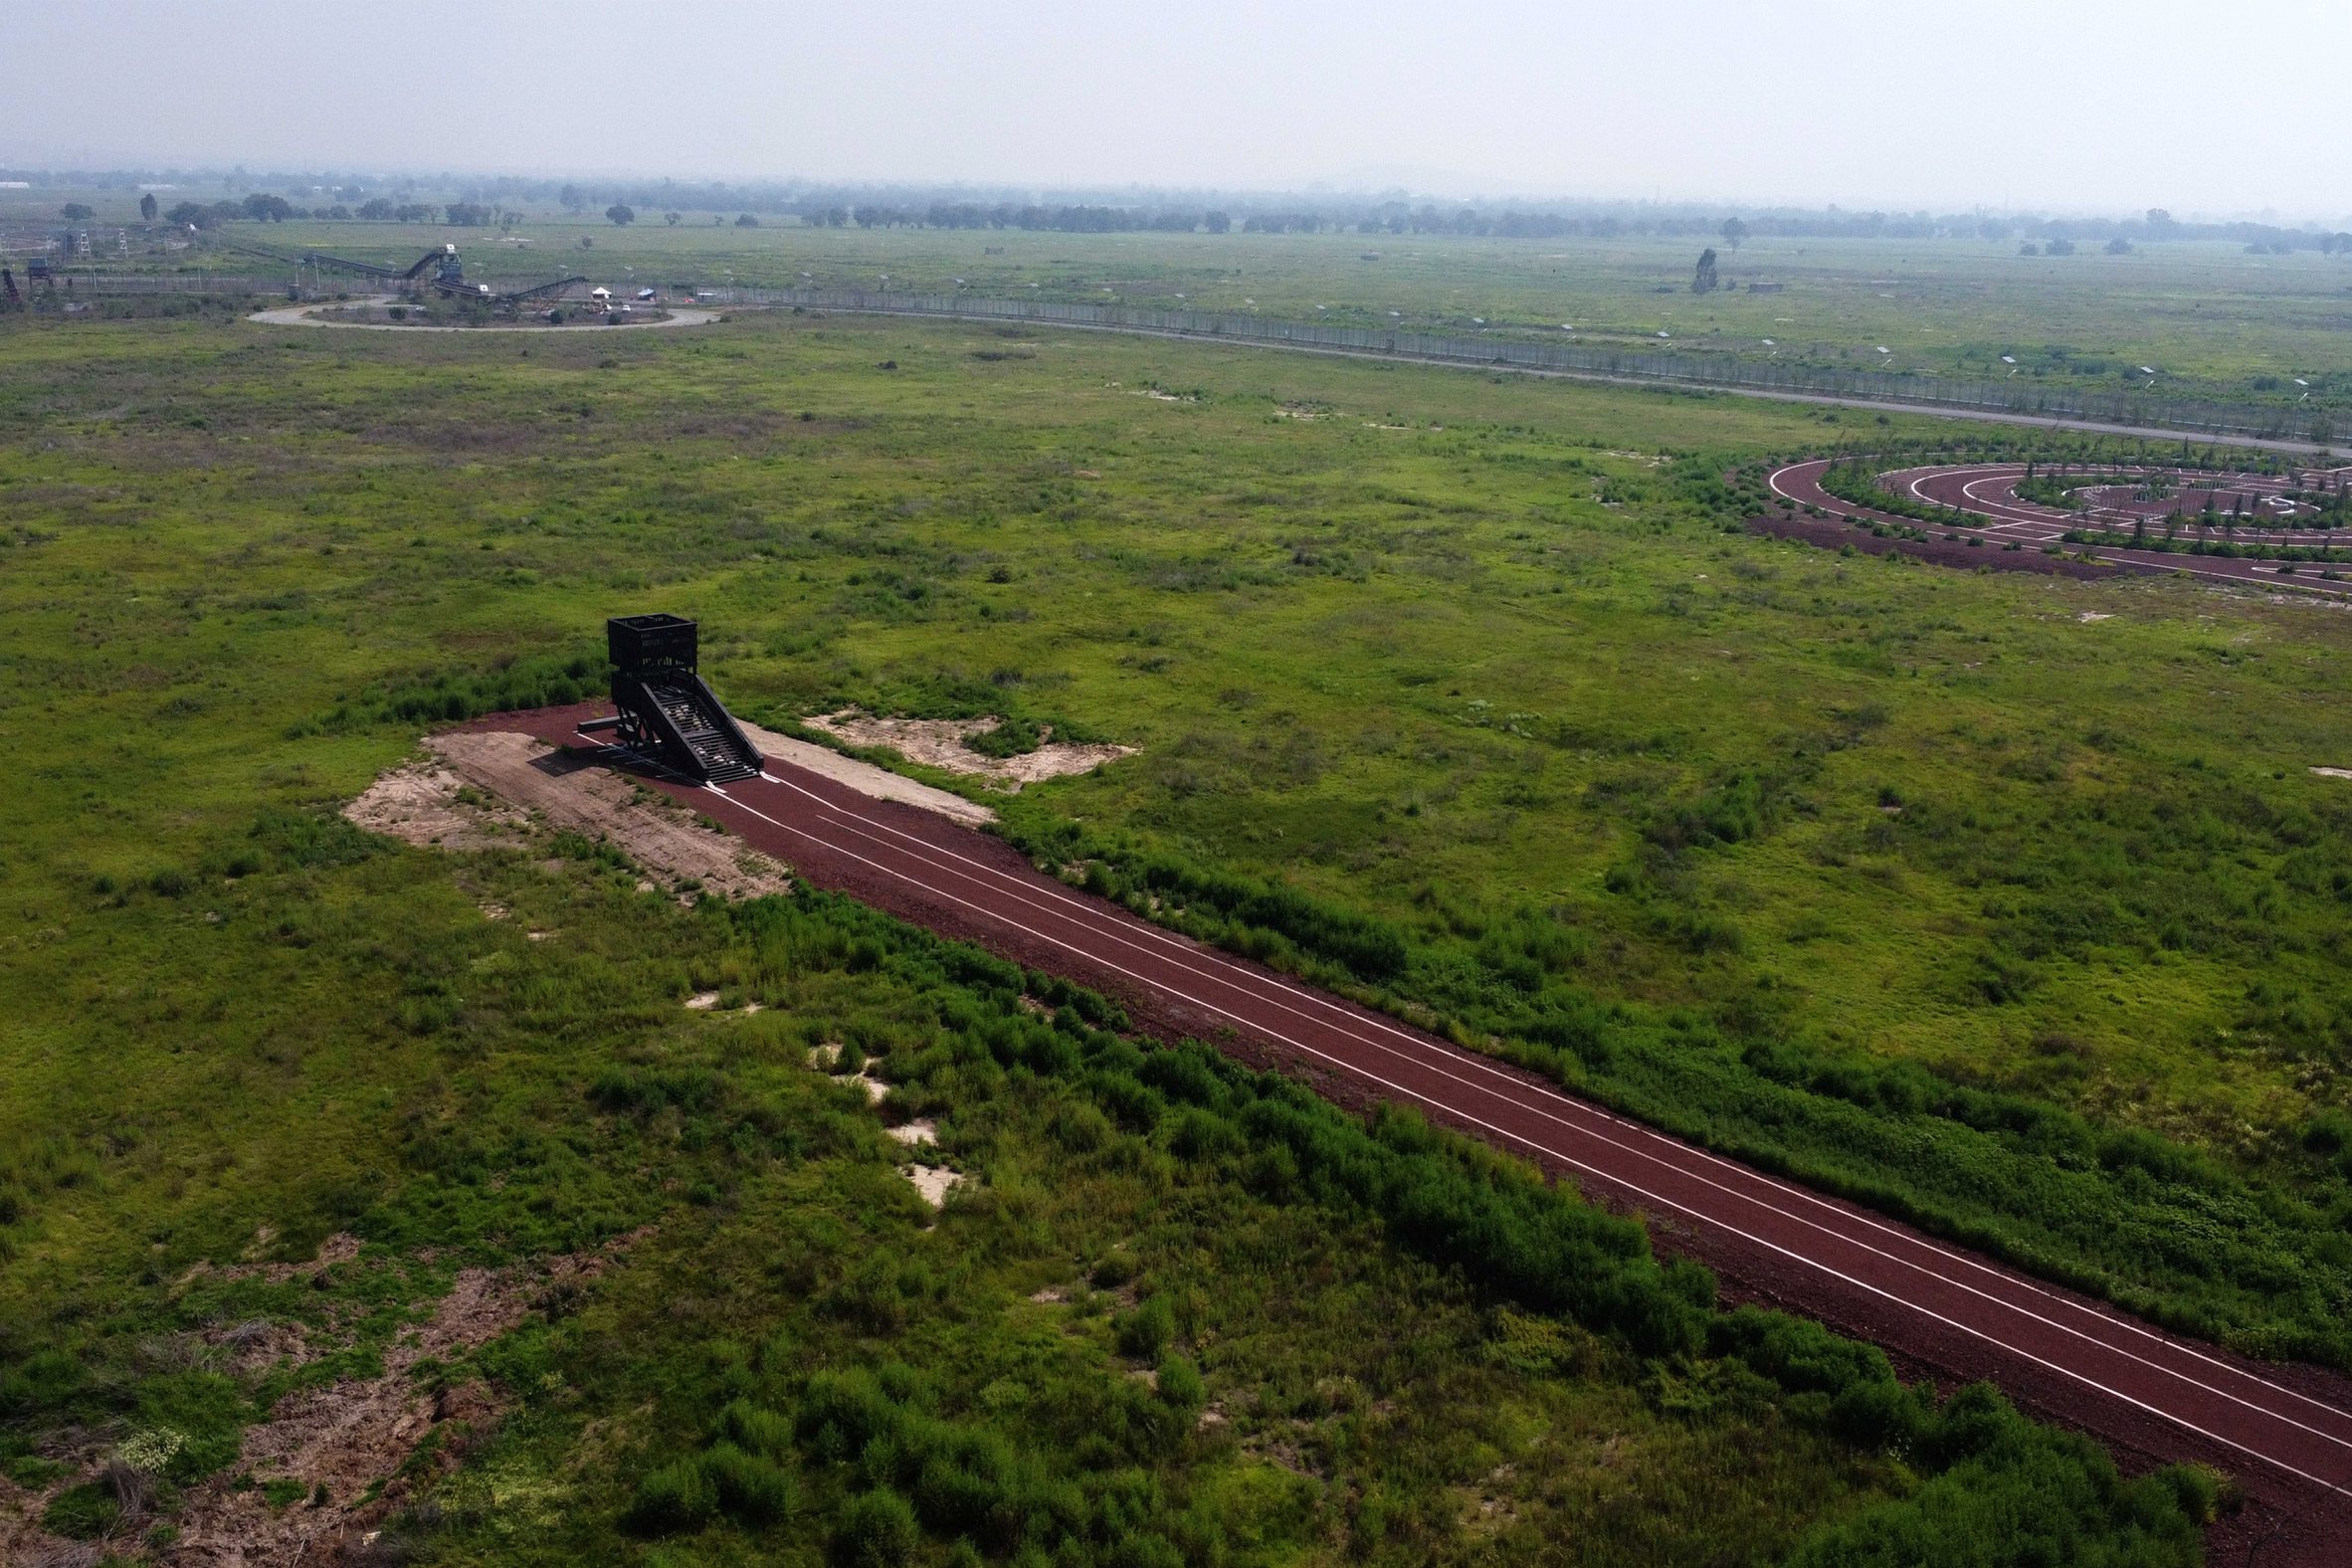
(866, 779)
(920, 1131)
(538, 784)
(933, 1182)
(2333, 773)
(425, 804)
(939, 742)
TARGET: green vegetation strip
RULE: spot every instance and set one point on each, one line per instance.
(1453, 692)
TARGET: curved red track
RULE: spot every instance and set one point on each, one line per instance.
(2284, 1432)
(1990, 490)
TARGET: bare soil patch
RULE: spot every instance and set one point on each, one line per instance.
(536, 784)
(934, 1182)
(941, 744)
(866, 778)
(339, 1442)
(349, 1436)
(425, 804)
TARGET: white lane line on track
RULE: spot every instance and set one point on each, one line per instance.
(1563, 1157)
(1195, 960)
(2032, 513)
(2035, 512)
(1190, 949)
(1118, 933)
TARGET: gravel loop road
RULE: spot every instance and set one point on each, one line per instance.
(301, 315)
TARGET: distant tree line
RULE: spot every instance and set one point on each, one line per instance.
(1135, 210)
(263, 208)
(2057, 237)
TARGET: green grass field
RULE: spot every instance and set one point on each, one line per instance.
(2010, 902)
(2214, 321)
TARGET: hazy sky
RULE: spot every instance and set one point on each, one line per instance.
(2102, 104)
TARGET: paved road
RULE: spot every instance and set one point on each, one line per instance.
(1989, 488)
(2285, 1431)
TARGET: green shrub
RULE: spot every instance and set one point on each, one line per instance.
(33, 1472)
(756, 1429)
(750, 1489)
(1180, 1386)
(955, 1498)
(878, 1531)
(82, 1513)
(301, 840)
(678, 1496)
(1798, 1353)
(1015, 738)
(526, 684)
(1146, 1331)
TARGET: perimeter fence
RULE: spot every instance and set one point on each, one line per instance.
(2019, 396)
(72, 285)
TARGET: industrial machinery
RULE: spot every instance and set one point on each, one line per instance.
(538, 291)
(667, 715)
(449, 273)
(8, 285)
(446, 274)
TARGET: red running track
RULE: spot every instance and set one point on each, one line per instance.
(2285, 1433)
(1989, 490)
